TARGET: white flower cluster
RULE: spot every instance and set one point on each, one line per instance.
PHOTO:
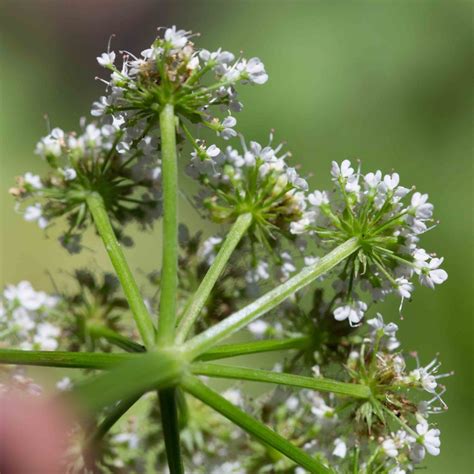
(117, 162)
(257, 180)
(25, 318)
(371, 208)
(172, 65)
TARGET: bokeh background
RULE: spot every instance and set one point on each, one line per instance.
(389, 82)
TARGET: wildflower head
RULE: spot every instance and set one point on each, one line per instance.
(255, 180)
(173, 71)
(388, 224)
(118, 164)
(28, 318)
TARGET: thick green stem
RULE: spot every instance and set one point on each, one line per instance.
(198, 300)
(266, 376)
(169, 272)
(169, 422)
(142, 373)
(114, 338)
(72, 360)
(202, 342)
(130, 288)
(255, 428)
(254, 347)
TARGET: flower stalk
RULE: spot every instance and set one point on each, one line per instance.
(255, 347)
(130, 288)
(71, 360)
(169, 273)
(291, 380)
(256, 429)
(199, 344)
(198, 300)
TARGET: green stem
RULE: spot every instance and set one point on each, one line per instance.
(198, 300)
(143, 372)
(355, 461)
(115, 413)
(124, 274)
(169, 422)
(114, 338)
(255, 428)
(266, 376)
(169, 273)
(72, 360)
(245, 348)
(200, 343)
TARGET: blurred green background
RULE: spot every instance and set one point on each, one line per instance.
(388, 82)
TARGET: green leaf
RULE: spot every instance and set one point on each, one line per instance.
(255, 428)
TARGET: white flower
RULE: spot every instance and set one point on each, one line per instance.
(25, 295)
(286, 266)
(227, 130)
(340, 449)
(397, 470)
(430, 275)
(130, 438)
(234, 396)
(258, 328)
(318, 198)
(420, 207)
(390, 182)
(372, 180)
(320, 409)
(106, 59)
(388, 330)
(309, 260)
(99, 107)
(425, 376)
(295, 179)
(256, 71)
(49, 145)
(429, 437)
(260, 272)
(390, 448)
(69, 174)
(292, 403)
(23, 320)
(46, 336)
(208, 249)
(35, 213)
(343, 171)
(64, 384)
(213, 151)
(33, 180)
(301, 226)
(404, 287)
(176, 38)
(32, 213)
(354, 312)
(229, 468)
